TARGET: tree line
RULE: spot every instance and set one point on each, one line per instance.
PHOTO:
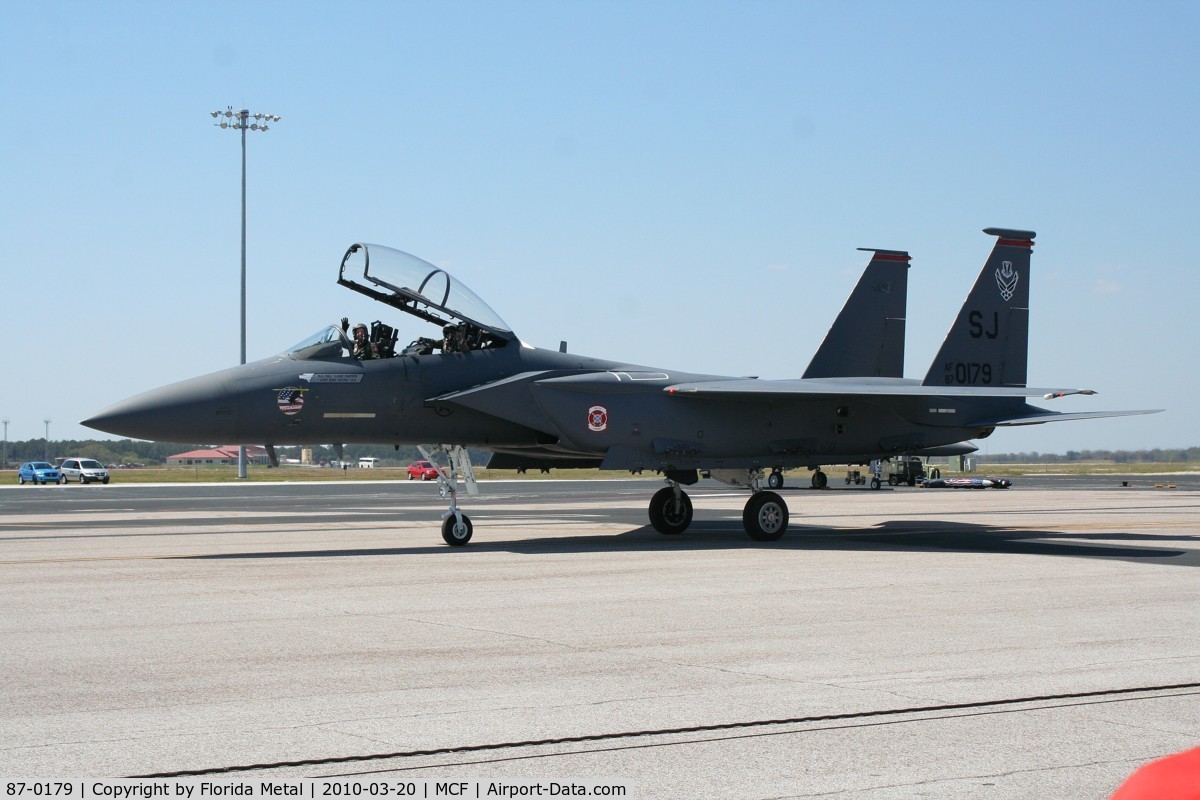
(1179, 455)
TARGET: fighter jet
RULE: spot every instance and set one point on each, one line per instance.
(478, 385)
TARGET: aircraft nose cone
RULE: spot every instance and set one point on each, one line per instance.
(196, 410)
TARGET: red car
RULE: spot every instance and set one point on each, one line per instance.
(423, 470)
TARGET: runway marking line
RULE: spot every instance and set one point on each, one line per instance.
(103, 558)
(1101, 695)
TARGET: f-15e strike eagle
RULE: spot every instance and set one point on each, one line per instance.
(478, 385)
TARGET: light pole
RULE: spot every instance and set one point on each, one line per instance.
(240, 121)
(46, 455)
(5, 462)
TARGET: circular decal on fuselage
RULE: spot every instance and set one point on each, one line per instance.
(597, 419)
(290, 399)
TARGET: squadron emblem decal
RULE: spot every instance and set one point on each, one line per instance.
(290, 399)
(597, 419)
(1006, 279)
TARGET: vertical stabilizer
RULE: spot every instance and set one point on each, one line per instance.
(867, 338)
(988, 345)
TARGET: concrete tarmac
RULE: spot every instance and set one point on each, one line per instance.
(1039, 641)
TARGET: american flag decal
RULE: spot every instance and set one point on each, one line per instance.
(290, 399)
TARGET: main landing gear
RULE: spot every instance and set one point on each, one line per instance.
(765, 516)
(456, 526)
(670, 510)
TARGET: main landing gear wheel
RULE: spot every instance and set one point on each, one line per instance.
(669, 514)
(820, 480)
(775, 479)
(457, 533)
(765, 517)
(875, 484)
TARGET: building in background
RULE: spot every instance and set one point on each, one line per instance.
(226, 454)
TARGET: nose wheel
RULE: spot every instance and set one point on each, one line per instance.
(456, 528)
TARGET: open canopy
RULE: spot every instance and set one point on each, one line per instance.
(417, 287)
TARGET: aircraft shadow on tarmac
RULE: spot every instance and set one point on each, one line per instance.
(894, 536)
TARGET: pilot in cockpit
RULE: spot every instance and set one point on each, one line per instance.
(467, 323)
(454, 339)
(363, 349)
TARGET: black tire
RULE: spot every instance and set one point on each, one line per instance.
(820, 480)
(765, 517)
(892, 480)
(668, 516)
(83, 480)
(454, 534)
(775, 479)
(104, 481)
(875, 483)
(20, 480)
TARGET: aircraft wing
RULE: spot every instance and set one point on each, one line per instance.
(810, 387)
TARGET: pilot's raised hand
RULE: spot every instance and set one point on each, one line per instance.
(345, 324)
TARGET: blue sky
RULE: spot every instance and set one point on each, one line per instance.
(677, 184)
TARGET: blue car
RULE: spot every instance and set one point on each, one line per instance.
(37, 472)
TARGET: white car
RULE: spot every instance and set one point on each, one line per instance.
(84, 470)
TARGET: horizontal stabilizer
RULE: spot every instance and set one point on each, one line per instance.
(1055, 416)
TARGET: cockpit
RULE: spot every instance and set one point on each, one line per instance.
(329, 342)
(416, 287)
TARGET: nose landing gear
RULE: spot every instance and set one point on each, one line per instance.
(456, 526)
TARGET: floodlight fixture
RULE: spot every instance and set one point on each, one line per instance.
(242, 123)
